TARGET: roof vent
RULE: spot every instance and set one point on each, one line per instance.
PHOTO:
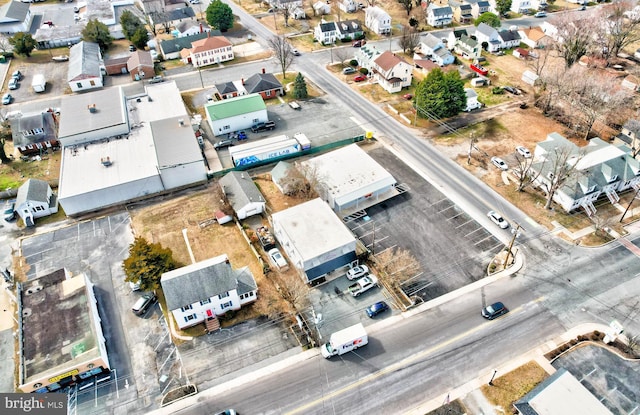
(181, 122)
(92, 108)
(106, 161)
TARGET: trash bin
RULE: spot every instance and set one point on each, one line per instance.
(3, 59)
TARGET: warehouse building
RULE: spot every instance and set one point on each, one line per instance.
(315, 239)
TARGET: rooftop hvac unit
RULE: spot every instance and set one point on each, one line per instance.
(106, 161)
(92, 108)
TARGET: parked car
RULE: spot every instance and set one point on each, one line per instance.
(60, 58)
(540, 14)
(294, 105)
(498, 219)
(156, 79)
(494, 310)
(359, 43)
(583, 8)
(227, 412)
(511, 90)
(377, 308)
(277, 258)
(7, 99)
(13, 83)
(524, 152)
(76, 17)
(360, 78)
(9, 212)
(263, 126)
(17, 75)
(348, 70)
(223, 143)
(499, 163)
(295, 52)
(194, 1)
(135, 286)
(357, 272)
(239, 135)
(132, 48)
(144, 303)
(408, 96)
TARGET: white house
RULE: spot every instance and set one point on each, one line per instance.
(509, 39)
(349, 30)
(392, 72)
(208, 51)
(236, 113)
(435, 49)
(488, 37)
(602, 169)
(190, 27)
(86, 67)
(348, 6)
(200, 292)
(315, 239)
(472, 99)
(534, 37)
(242, 194)
(377, 20)
(479, 7)
(439, 16)
(326, 32)
(468, 48)
(321, 8)
(520, 6)
(15, 17)
(35, 199)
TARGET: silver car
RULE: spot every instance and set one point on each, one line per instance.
(499, 163)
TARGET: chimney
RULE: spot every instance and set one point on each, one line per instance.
(263, 71)
(242, 81)
(201, 28)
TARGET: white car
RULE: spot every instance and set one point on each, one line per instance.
(524, 152)
(357, 272)
(498, 219)
(499, 163)
(277, 258)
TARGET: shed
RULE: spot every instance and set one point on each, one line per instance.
(243, 194)
(521, 53)
(278, 173)
(529, 77)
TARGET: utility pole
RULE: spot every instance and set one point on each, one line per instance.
(629, 205)
(515, 235)
(471, 146)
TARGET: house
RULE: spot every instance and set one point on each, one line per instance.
(366, 55)
(630, 135)
(377, 20)
(480, 7)
(509, 39)
(601, 169)
(65, 350)
(488, 37)
(125, 148)
(171, 48)
(191, 27)
(285, 4)
(229, 90)
(348, 6)
(468, 48)
(243, 194)
(538, 4)
(439, 16)
(520, 6)
(521, 53)
(534, 37)
(349, 30)
(433, 48)
(326, 33)
(140, 65)
(171, 18)
(392, 72)
(316, 241)
(463, 13)
(116, 66)
(35, 199)
(15, 17)
(352, 179)
(631, 82)
(208, 51)
(264, 84)
(235, 114)
(200, 292)
(321, 8)
(29, 129)
(560, 393)
(472, 99)
(86, 67)
(453, 36)
(49, 37)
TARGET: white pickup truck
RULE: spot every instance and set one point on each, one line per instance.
(363, 284)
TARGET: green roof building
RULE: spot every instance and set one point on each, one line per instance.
(234, 114)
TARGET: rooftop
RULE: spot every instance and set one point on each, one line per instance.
(76, 119)
(234, 106)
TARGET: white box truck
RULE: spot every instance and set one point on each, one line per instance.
(39, 84)
(344, 341)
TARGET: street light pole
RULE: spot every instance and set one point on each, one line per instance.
(492, 377)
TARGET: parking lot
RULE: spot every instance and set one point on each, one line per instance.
(55, 74)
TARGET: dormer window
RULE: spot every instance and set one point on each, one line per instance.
(613, 178)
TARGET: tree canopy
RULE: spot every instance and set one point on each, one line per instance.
(300, 87)
(220, 16)
(23, 43)
(440, 95)
(488, 18)
(98, 32)
(134, 30)
(503, 6)
(147, 262)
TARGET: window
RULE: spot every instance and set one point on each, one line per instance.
(221, 296)
(226, 127)
(78, 84)
(185, 308)
(205, 302)
(268, 93)
(613, 178)
(92, 83)
(190, 317)
(225, 305)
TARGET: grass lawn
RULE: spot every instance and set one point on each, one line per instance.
(514, 385)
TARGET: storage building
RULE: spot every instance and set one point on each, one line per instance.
(234, 114)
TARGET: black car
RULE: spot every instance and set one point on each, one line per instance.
(494, 310)
(263, 126)
(376, 309)
(511, 90)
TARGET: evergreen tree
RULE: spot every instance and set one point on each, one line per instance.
(23, 43)
(147, 262)
(488, 18)
(219, 16)
(130, 24)
(300, 87)
(503, 6)
(140, 37)
(97, 32)
(440, 95)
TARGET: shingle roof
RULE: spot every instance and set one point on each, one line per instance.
(328, 27)
(139, 58)
(440, 11)
(486, 30)
(209, 43)
(261, 82)
(432, 42)
(240, 189)
(467, 41)
(84, 61)
(33, 190)
(226, 88)
(175, 14)
(509, 35)
(387, 60)
(188, 24)
(177, 44)
(349, 26)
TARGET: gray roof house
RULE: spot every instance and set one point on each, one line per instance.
(35, 199)
(171, 48)
(199, 292)
(349, 29)
(510, 39)
(439, 16)
(435, 49)
(86, 67)
(326, 32)
(173, 17)
(488, 37)
(264, 84)
(601, 169)
(15, 17)
(468, 48)
(33, 128)
(243, 194)
(630, 134)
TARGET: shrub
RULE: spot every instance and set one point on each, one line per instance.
(582, 338)
(497, 91)
(574, 342)
(353, 62)
(364, 71)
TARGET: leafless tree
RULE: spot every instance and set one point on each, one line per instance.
(283, 53)
(540, 63)
(561, 162)
(294, 291)
(551, 83)
(633, 344)
(524, 173)
(618, 27)
(410, 39)
(407, 5)
(397, 266)
(286, 11)
(342, 54)
(4, 43)
(574, 37)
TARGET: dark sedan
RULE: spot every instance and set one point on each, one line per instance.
(495, 310)
(376, 309)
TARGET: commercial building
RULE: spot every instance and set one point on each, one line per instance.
(234, 114)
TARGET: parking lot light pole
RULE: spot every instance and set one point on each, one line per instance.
(492, 377)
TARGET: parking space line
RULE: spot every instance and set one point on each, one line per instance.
(453, 217)
(440, 201)
(470, 220)
(484, 239)
(447, 208)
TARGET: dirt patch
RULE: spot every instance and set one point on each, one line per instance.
(507, 389)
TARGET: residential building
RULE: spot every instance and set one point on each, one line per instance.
(288, 4)
(86, 67)
(242, 194)
(62, 335)
(200, 292)
(321, 8)
(534, 37)
(49, 37)
(377, 20)
(35, 199)
(208, 51)
(107, 139)
(191, 27)
(630, 135)
(171, 48)
(349, 30)
(229, 89)
(434, 49)
(468, 48)
(140, 65)
(116, 66)
(463, 13)
(601, 169)
(348, 6)
(15, 17)
(439, 16)
(392, 72)
(538, 4)
(29, 129)
(171, 18)
(488, 37)
(235, 114)
(316, 241)
(366, 55)
(326, 32)
(264, 84)
(472, 99)
(479, 7)
(509, 39)
(453, 36)
(520, 6)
